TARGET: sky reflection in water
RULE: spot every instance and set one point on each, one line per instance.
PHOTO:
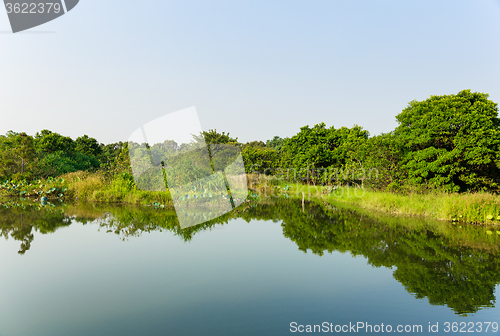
(246, 277)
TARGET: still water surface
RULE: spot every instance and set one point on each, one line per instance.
(91, 270)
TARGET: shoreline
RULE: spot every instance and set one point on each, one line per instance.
(478, 208)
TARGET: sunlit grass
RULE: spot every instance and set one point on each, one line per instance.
(119, 188)
(479, 207)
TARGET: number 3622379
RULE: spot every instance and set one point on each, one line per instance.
(33, 8)
(470, 327)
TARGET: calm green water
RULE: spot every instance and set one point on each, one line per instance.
(91, 270)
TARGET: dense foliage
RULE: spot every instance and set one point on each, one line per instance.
(49, 154)
(449, 142)
(452, 141)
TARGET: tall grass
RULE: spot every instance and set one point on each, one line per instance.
(468, 207)
(477, 208)
(118, 188)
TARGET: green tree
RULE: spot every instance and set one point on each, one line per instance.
(59, 163)
(88, 146)
(214, 137)
(381, 158)
(260, 158)
(49, 142)
(452, 141)
(7, 162)
(110, 153)
(122, 159)
(276, 143)
(23, 150)
(17, 152)
(255, 144)
(319, 148)
(311, 147)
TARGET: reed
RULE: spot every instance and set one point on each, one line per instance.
(475, 208)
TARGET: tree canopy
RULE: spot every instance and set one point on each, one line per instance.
(452, 141)
(449, 142)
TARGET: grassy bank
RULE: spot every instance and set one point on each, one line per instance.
(475, 208)
(119, 188)
(94, 187)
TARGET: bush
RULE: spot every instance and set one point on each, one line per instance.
(59, 163)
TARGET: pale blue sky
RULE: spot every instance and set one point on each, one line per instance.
(253, 68)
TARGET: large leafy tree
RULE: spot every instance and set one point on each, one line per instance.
(214, 140)
(260, 158)
(58, 154)
(17, 153)
(319, 147)
(214, 137)
(276, 143)
(311, 147)
(23, 150)
(58, 163)
(452, 141)
(381, 158)
(88, 146)
(115, 155)
(50, 142)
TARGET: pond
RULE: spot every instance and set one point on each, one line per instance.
(273, 267)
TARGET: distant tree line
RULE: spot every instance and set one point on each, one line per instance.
(46, 154)
(448, 142)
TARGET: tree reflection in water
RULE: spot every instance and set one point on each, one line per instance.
(448, 265)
